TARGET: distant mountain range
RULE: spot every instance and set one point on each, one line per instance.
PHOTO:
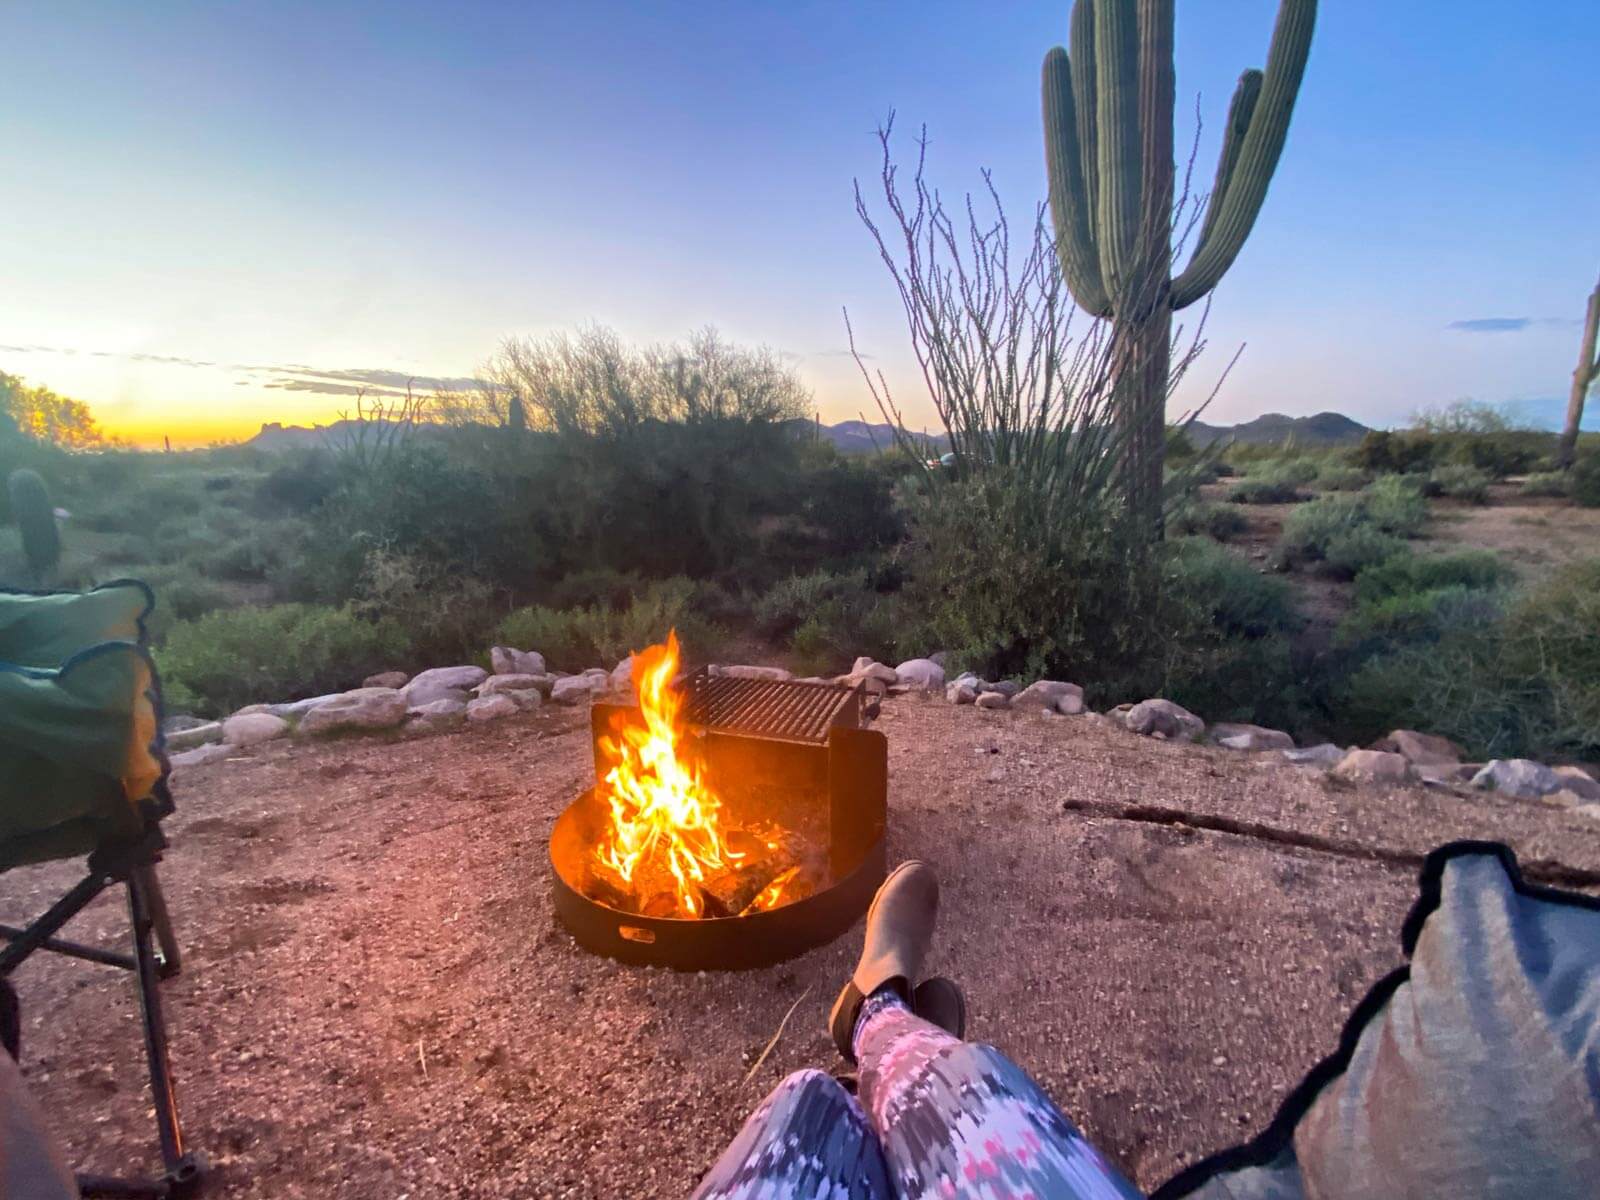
(862, 437)
(1324, 429)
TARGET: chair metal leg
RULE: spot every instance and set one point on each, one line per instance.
(156, 901)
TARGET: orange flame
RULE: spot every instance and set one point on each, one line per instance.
(662, 814)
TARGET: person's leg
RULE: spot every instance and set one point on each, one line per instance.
(808, 1138)
(962, 1120)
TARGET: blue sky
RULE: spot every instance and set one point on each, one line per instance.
(223, 213)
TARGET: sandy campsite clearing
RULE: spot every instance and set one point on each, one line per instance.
(377, 1002)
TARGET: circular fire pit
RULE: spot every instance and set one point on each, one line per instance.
(753, 940)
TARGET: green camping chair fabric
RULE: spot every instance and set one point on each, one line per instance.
(83, 772)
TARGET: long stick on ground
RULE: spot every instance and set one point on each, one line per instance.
(762, 1057)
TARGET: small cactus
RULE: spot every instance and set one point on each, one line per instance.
(36, 521)
(517, 416)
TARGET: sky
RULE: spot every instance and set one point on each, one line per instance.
(219, 214)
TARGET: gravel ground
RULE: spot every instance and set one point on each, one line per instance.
(377, 1002)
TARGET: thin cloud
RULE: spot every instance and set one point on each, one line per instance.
(351, 381)
(1491, 325)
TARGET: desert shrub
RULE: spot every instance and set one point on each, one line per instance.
(1264, 489)
(828, 617)
(229, 658)
(1459, 482)
(1336, 478)
(1546, 483)
(1395, 506)
(1585, 481)
(594, 585)
(1419, 616)
(447, 615)
(1404, 574)
(1381, 452)
(1497, 455)
(1309, 528)
(1219, 521)
(1524, 685)
(299, 484)
(1349, 552)
(577, 638)
(182, 594)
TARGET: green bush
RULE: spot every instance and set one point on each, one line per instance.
(230, 658)
(1405, 574)
(1264, 489)
(1311, 527)
(447, 615)
(828, 618)
(577, 638)
(1422, 616)
(594, 585)
(1585, 481)
(182, 594)
(1395, 505)
(1382, 452)
(1221, 522)
(1349, 552)
(1546, 483)
(1460, 482)
(1336, 478)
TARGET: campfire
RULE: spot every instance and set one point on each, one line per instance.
(667, 850)
(733, 821)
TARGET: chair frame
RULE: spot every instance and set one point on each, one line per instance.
(155, 957)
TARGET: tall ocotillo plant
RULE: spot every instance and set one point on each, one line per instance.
(36, 521)
(1583, 377)
(1108, 132)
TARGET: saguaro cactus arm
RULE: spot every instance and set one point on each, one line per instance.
(1258, 154)
(1069, 191)
(1583, 378)
(1240, 111)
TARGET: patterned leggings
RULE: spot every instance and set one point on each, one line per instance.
(938, 1119)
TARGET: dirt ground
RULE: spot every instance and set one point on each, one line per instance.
(377, 1002)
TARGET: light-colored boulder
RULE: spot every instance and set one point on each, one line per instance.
(178, 722)
(920, 673)
(435, 715)
(1237, 736)
(862, 663)
(874, 670)
(960, 692)
(1006, 687)
(1517, 777)
(622, 675)
(250, 729)
(573, 689)
(871, 685)
(1049, 695)
(1445, 775)
(1372, 766)
(1326, 755)
(195, 735)
(993, 700)
(527, 700)
(1579, 782)
(1591, 811)
(387, 679)
(775, 674)
(496, 684)
(443, 683)
(364, 708)
(200, 755)
(491, 708)
(509, 661)
(1163, 718)
(1420, 749)
(293, 709)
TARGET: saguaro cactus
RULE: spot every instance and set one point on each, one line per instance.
(36, 521)
(1108, 116)
(1583, 377)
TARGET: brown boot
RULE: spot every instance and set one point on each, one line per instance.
(899, 930)
(941, 1001)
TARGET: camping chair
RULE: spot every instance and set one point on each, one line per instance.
(83, 771)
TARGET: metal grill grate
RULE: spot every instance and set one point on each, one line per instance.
(783, 709)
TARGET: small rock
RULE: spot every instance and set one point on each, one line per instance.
(195, 735)
(249, 729)
(993, 700)
(201, 755)
(573, 689)
(1163, 717)
(1579, 782)
(1049, 694)
(862, 663)
(496, 684)
(1420, 749)
(178, 722)
(1444, 775)
(528, 700)
(921, 673)
(491, 708)
(960, 693)
(622, 675)
(444, 683)
(387, 679)
(1250, 737)
(1372, 766)
(1517, 777)
(364, 708)
(1325, 755)
(1006, 687)
(508, 661)
(435, 715)
(1591, 811)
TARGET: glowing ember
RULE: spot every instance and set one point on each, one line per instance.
(664, 847)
